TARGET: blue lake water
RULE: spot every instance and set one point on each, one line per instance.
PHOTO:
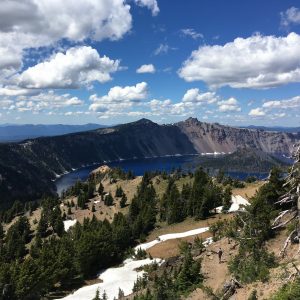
(140, 166)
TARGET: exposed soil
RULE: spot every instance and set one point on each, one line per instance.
(249, 190)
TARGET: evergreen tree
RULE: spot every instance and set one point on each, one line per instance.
(42, 225)
(97, 296)
(227, 198)
(82, 199)
(121, 294)
(119, 192)
(91, 189)
(101, 189)
(108, 200)
(189, 273)
(123, 201)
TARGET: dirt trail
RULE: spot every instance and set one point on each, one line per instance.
(215, 273)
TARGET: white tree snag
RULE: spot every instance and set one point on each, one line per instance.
(293, 197)
(287, 241)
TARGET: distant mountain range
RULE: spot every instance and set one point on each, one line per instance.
(13, 133)
(28, 168)
(275, 128)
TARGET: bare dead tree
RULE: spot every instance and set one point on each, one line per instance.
(292, 197)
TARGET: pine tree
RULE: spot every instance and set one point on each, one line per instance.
(97, 296)
(123, 201)
(120, 294)
(104, 296)
(91, 189)
(58, 225)
(42, 225)
(82, 199)
(108, 200)
(227, 198)
(119, 192)
(189, 273)
(101, 189)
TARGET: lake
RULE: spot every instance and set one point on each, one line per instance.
(140, 166)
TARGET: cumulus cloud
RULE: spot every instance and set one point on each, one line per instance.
(146, 69)
(166, 107)
(119, 98)
(290, 16)
(257, 112)
(190, 32)
(77, 67)
(254, 62)
(229, 105)
(37, 23)
(195, 96)
(150, 4)
(44, 101)
(283, 104)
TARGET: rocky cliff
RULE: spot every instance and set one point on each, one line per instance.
(208, 137)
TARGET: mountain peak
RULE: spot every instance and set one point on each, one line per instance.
(144, 121)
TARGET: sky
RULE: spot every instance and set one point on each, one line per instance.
(113, 61)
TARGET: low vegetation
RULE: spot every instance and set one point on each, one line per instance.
(42, 259)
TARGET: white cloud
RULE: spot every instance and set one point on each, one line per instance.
(11, 91)
(166, 107)
(229, 105)
(279, 115)
(78, 66)
(37, 23)
(191, 33)
(146, 69)
(194, 95)
(45, 101)
(257, 112)
(254, 62)
(163, 49)
(5, 104)
(283, 104)
(150, 4)
(290, 16)
(119, 98)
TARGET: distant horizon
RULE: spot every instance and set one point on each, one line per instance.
(103, 124)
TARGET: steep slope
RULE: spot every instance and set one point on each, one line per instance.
(27, 169)
(244, 160)
(275, 128)
(208, 137)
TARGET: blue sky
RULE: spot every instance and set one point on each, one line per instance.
(115, 61)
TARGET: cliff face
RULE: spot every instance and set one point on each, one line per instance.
(27, 169)
(208, 137)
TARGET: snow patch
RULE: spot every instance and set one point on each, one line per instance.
(237, 203)
(69, 223)
(122, 277)
(171, 236)
(125, 276)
